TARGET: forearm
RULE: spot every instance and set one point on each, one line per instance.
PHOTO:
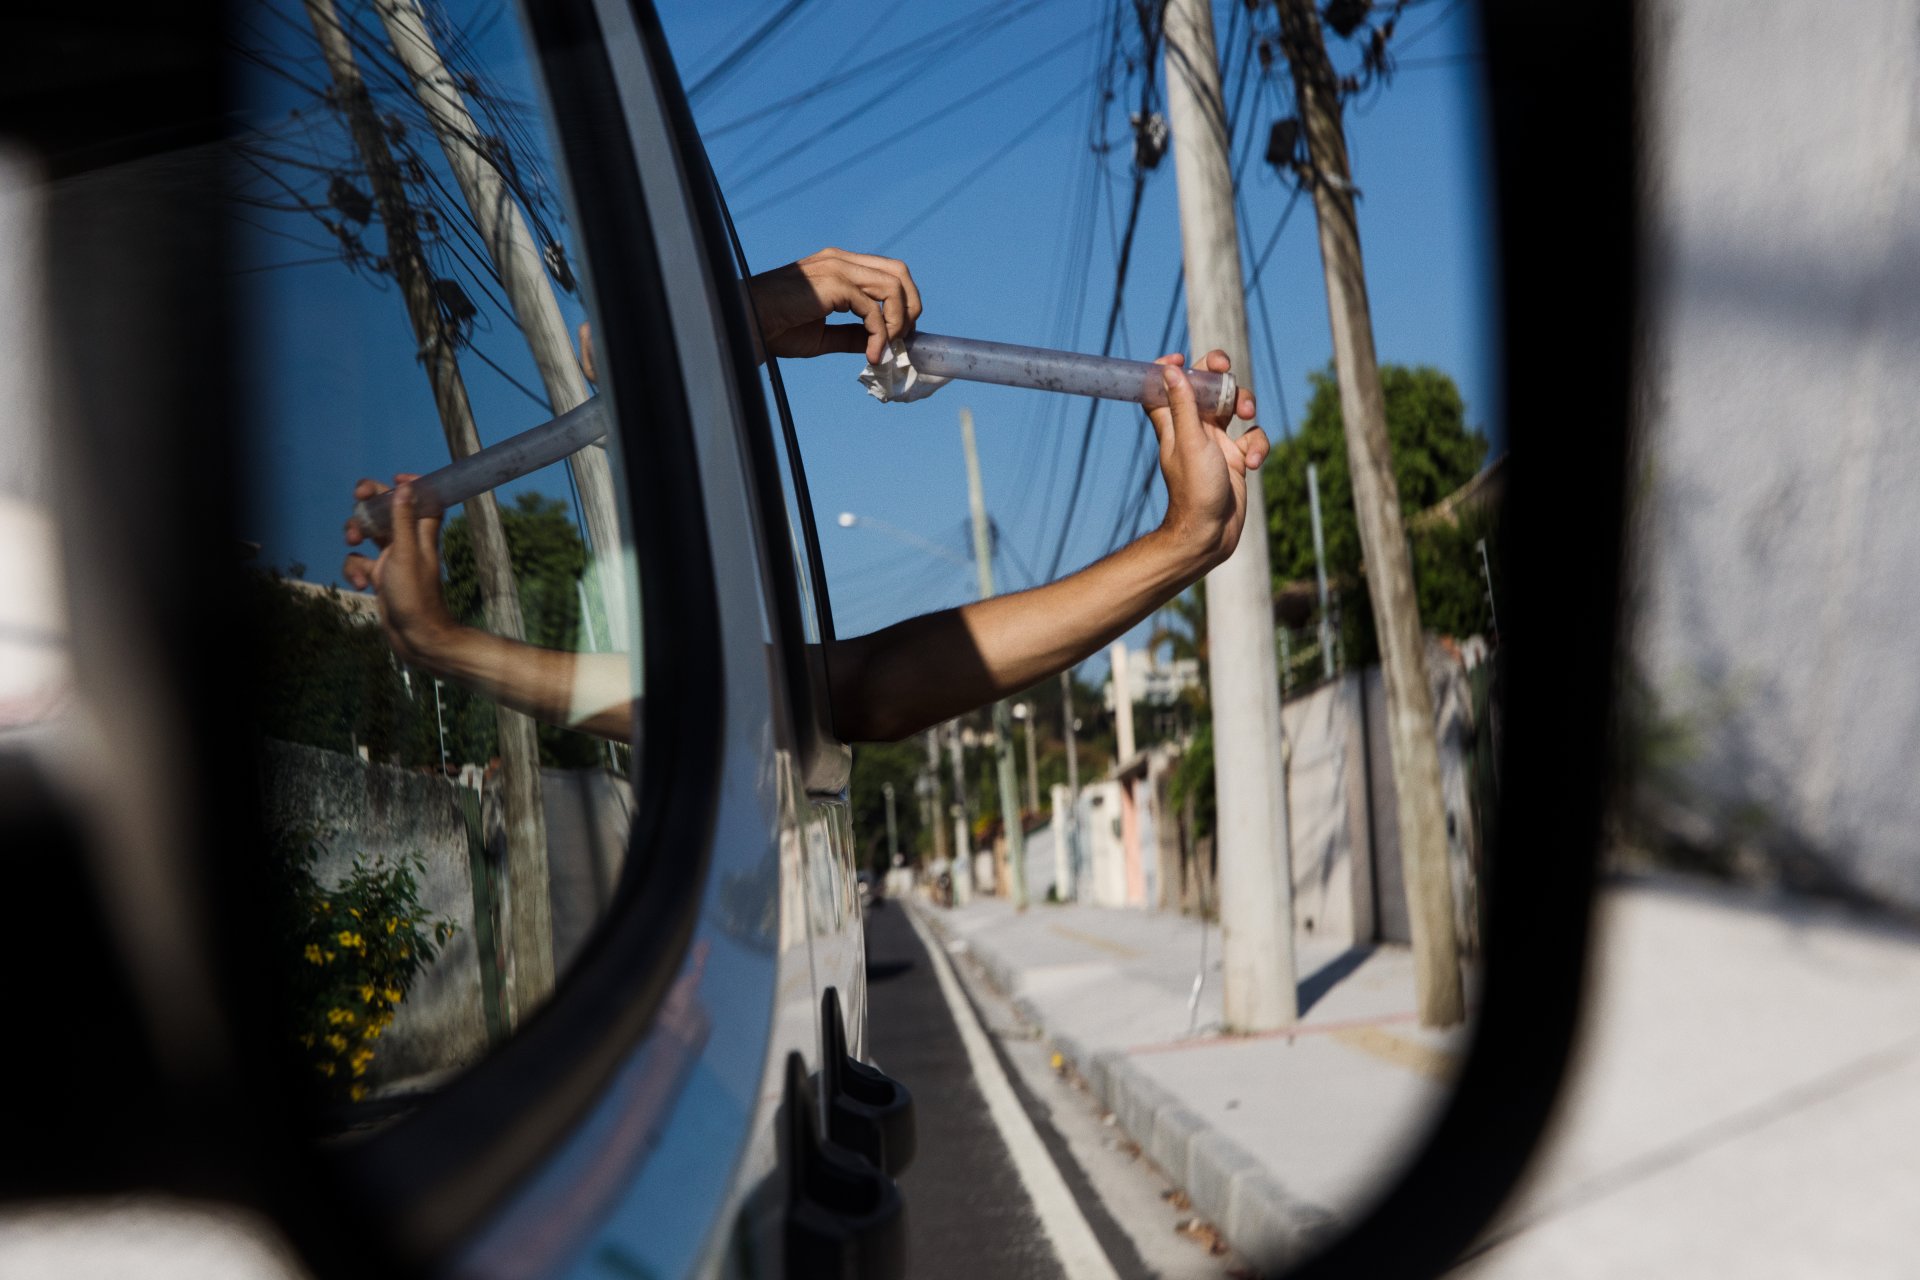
(920, 672)
(588, 692)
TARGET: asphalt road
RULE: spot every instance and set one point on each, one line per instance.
(968, 1214)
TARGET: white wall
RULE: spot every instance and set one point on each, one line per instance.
(1781, 547)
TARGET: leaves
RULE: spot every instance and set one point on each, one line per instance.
(350, 954)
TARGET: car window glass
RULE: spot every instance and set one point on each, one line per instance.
(443, 835)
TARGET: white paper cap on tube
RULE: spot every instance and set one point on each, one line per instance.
(895, 379)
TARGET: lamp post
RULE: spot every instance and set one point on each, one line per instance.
(1023, 711)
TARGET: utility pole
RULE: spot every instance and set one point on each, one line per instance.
(509, 242)
(893, 834)
(1002, 720)
(1025, 711)
(1120, 670)
(933, 796)
(1067, 727)
(529, 913)
(1256, 877)
(1376, 501)
(1320, 569)
(962, 842)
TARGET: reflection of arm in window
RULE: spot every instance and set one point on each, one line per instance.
(591, 692)
(916, 673)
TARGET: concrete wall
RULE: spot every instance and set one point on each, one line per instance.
(1453, 706)
(1779, 544)
(1327, 813)
(383, 812)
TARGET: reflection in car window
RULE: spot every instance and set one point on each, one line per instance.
(412, 293)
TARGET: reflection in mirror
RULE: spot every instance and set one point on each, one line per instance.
(1045, 212)
(444, 834)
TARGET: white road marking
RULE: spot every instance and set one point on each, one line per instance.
(1080, 1254)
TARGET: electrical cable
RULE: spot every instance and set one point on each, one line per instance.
(937, 114)
(1043, 118)
(746, 49)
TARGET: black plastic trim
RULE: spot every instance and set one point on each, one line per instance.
(447, 1166)
(1563, 134)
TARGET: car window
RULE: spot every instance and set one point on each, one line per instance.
(446, 766)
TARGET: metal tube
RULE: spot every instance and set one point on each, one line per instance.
(1103, 377)
(477, 473)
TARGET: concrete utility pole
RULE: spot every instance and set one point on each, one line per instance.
(1256, 884)
(962, 840)
(529, 924)
(934, 822)
(893, 834)
(1120, 668)
(1067, 726)
(1320, 571)
(503, 229)
(1002, 721)
(1376, 501)
(1024, 713)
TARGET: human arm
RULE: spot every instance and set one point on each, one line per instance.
(899, 680)
(791, 305)
(590, 692)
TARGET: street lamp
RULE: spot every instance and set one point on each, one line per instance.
(1024, 711)
(848, 520)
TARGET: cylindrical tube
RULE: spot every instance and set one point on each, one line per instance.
(493, 466)
(1104, 377)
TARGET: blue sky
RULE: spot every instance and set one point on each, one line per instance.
(990, 259)
(990, 233)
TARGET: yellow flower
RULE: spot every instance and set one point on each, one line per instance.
(371, 1031)
(392, 924)
(326, 908)
(406, 953)
(329, 956)
(358, 1092)
(345, 937)
(354, 912)
(337, 1042)
(324, 1068)
(307, 1041)
(335, 1017)
(312, 953)
(392, 994)
(366, 994)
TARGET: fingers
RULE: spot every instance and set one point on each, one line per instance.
(1254, 447)
(359, 572)
(1183, 411)
(586, 352)
(364, 489)
(910, 292)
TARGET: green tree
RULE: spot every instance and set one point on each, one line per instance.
(549, 559)
(327, 677)
(1434, 453)
(874, 765)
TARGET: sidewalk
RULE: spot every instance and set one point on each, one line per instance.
(1274, 1138)
(1746, 1100)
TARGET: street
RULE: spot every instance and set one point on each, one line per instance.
(1044, 1187)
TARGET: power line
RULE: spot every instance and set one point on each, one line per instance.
(965, 26)
(747, 48)
(1040, 121)
(932, 116)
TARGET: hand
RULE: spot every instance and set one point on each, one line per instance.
(406, 577)
(1205, 468)
(793, 302)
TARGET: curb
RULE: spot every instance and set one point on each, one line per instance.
(1265, 1223)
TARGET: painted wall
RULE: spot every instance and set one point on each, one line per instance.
(1779, 548)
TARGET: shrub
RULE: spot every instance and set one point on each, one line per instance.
(351, 954)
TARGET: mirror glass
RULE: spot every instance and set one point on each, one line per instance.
(1022, 160)
(446, 771)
